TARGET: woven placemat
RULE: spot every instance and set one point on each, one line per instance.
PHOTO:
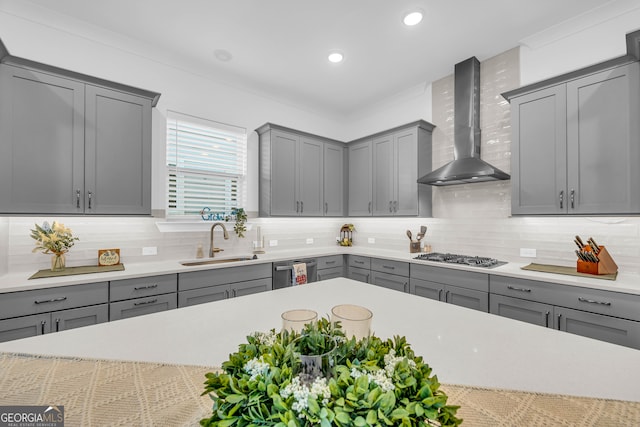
(118, 393)
(571, 271)
(70, 271)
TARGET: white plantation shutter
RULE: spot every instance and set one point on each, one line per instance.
(206, 165)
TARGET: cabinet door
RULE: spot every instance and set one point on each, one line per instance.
(333, 180)
(406, 172)
(602, 137)
(203, 295)
(250, 287)
(24, 327)
(523, 310)
(426, 289)
(284, 177)
(310, 175)
(390, 281)
(538, 152)
(469, 298)
(117, 153)
(79, 317)
(383, 176)
(41, 143)
(359, 274)
(360, 179)
(140, 306)
(597, 326)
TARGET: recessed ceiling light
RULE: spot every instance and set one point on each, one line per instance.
(412, 18)
(336, 57)
(222, 55)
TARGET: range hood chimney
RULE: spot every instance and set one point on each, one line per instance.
(467, 166)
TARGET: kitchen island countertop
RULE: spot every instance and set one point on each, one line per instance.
(463, 346)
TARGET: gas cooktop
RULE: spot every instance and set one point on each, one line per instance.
(474, 261)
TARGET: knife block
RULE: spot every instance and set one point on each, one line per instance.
(606, 265)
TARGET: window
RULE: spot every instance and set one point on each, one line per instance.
(206, 166)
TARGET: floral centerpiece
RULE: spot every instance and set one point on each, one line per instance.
(372, 382)
(53, 239)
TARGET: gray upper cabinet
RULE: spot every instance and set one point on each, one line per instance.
(292, 174)
(69, 146)
(117, 152)
(334, 166)
(575, 145)
(397, 158)
(360, 179)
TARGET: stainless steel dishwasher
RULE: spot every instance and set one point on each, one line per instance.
(282, 272)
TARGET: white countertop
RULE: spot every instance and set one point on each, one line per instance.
(462, 346)
(626, 283)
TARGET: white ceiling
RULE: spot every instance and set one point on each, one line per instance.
(280, 46)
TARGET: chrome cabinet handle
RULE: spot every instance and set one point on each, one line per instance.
(42, 323)
(57, 325)
(78, 198)
(355, 261)
(226, 293)
(559, 317)
(233, 291)
(573, 198)
(369, 207)
(546, 318)
(390, 206)
(297, 207)
(330, 262)
(404, 287)
(389, 267)
(561, 198)
(513, 288)
(44, 301)
(326, 207)
(439, 294)
(446, 296)
(139, 288)
(592, 301)
(151, 301)
(301, 207)
(367, 281)
(90, 194)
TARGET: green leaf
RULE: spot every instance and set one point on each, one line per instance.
(228, 422)
(372, 418)
(399, 414)
(343, 418)
(360, 422)
(235, 398)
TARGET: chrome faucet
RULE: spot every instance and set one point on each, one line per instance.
(212, 249)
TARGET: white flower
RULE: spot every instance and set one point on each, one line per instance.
(266, 338)
(256, 367)
(301, 393)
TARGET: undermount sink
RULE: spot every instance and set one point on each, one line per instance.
(217, 261)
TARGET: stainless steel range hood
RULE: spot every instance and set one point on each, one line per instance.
(467, 166)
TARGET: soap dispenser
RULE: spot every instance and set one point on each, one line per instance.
(199, 251)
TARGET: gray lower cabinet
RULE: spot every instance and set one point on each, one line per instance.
(35, 312)
(330, 267)
(604, 315)
(70, 147)
(390, 274)
(359, 268)
(40, 324)
(575, 148)
(459, 287)
(143, 295)
(198, 287)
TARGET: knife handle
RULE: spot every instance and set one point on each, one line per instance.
(580, 241)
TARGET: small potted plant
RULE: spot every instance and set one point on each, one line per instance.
(240, 216)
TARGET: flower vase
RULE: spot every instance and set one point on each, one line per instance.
(314, 366)
(58, 261)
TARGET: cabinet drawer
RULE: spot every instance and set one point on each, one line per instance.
(524, 310)
(614, 304)
(390, 281)
(603, 328)
(359, 261)
(392, 267)
(140, 306)
(14, 304)
(359, 274)
(222, 276)
(330, 261)
(330, 273)
(450, 276)
(142, 287)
